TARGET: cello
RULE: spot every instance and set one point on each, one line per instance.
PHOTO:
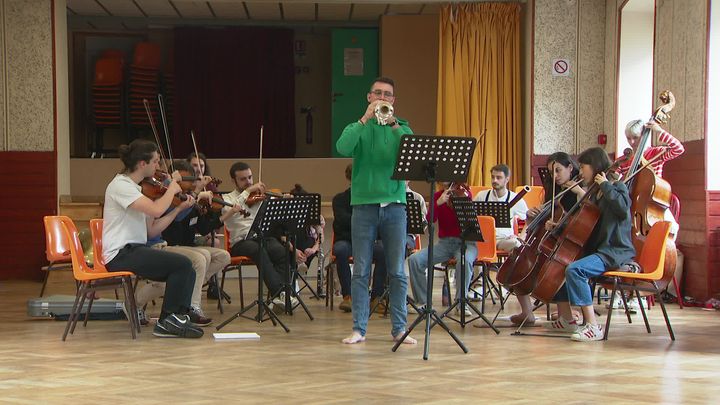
(566, 243)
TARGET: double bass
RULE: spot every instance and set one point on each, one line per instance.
(650, 194)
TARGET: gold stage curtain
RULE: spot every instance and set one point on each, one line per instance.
(479, 84)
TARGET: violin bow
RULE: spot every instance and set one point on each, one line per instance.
(155, 131)
(552, 207)
(163, 120)
(197, 156)
(261, 153)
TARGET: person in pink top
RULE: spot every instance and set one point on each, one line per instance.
(668, 149)
(447, 247)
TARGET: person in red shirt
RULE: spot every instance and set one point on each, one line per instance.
(447, 247)
(668, 149)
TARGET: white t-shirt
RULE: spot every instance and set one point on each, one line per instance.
(122, 225)
(238, 226)
(518, 210)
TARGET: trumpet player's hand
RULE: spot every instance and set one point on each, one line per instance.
(369, 112)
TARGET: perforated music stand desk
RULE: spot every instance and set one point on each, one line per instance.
(432, 158)
(415, 220)
(500, 210)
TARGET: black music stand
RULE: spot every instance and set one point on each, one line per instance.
(285, 218)
(500, 210)
(430, 159)
(469, 231)
(257, 230)
(415, 226)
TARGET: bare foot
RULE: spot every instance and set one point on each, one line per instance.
(518, 318)
(409, 340)
(355, 337)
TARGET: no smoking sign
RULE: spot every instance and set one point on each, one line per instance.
(560, 67)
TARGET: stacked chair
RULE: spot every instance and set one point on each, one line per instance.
(144, 83)
(107, 94)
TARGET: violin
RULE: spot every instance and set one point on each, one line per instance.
(217, 203)
(153, 189)
(258, 196)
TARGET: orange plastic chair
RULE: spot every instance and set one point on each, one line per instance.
(535, 197)
(329, 276)
(95, 278)
(236, 263)
(652, 263)
(108, 72)
(487, 259)
(57, 250)
(147, 55)
(474, 190)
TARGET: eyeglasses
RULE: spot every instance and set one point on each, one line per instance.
(382, 93)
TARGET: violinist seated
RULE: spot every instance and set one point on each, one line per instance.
(342, 249)
(130, 218)
(500, 174)
(564, 171)
(202, 169)
(307, 243)
(610, 246)
(198, 220)
(272, 260)
(447, 247)
(179, 237)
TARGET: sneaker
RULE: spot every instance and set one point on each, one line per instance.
(588, 333)
(198, 318)
(346, 304)
(467, 310)
(279, 302)
(176, 326)
(561, 325)
(380, 308)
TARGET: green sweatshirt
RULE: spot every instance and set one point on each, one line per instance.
(373, 148)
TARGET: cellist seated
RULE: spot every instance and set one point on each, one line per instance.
(564, 171)
(609, 246)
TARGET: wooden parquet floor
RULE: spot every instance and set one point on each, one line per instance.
(102, 364)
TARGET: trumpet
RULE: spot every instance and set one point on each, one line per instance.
(383, 112)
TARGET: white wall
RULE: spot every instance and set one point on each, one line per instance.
(712, 135)
(635, 80)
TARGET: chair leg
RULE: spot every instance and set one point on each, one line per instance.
(665, 315)
(72, 313)
(132, 315)
(610, 309)
(677, 293)
(133, 303)
(330, 279)
(87, 313)
(45, 280)
(625, 305)
(642, 311)
(88, 289)
(240, 282)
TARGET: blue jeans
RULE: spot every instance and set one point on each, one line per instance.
(342, 250)
(444, 250)
(389, 223)
(577, 274)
